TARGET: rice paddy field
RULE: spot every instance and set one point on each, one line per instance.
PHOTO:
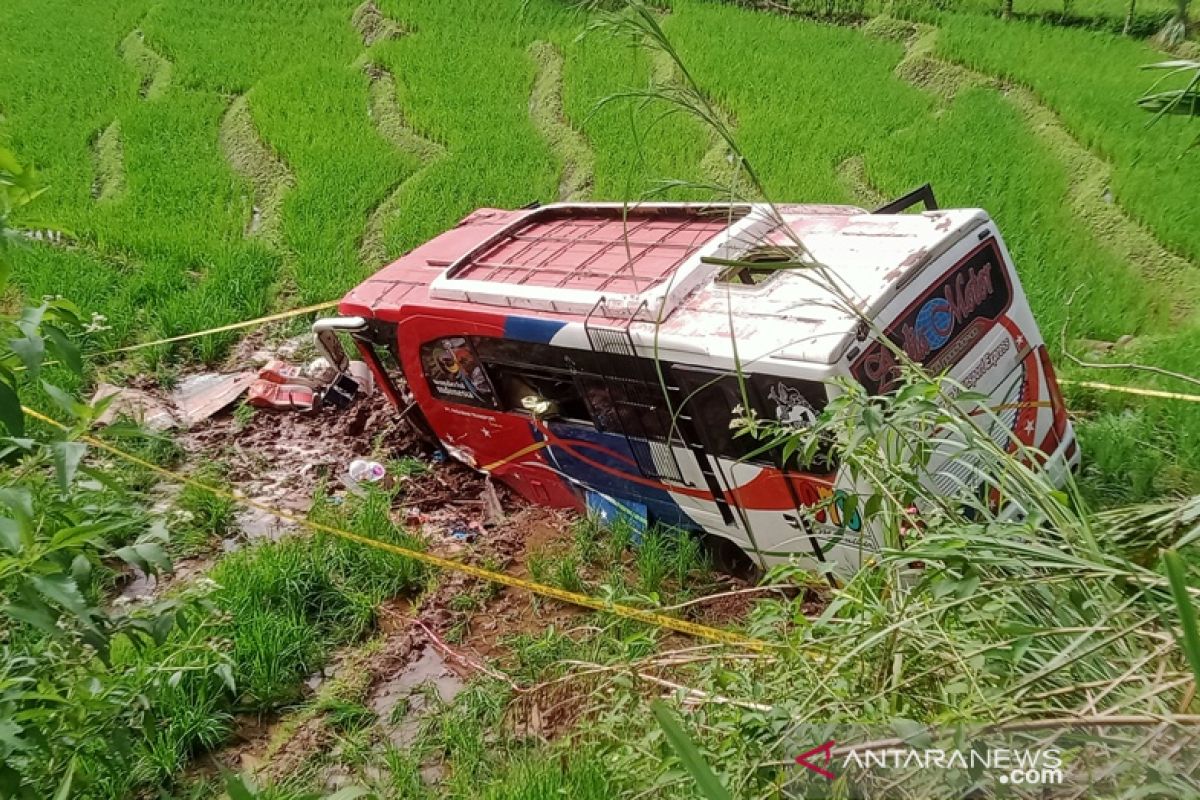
(209, 162)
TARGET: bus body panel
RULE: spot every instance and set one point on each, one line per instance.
(963, 313)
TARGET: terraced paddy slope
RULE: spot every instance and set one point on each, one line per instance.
(210, 161)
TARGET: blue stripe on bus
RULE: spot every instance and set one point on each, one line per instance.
(531, 329)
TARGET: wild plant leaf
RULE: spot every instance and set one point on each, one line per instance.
(912, 732)
(31, 318)
(10, 535)
(32, 352)
(224, 670)
(20, 502)
(239, 787)
(67, 456)
(65, 401)
(77, 535)
(11, 415)
(10, 736)
(64, 788)
(61, 590)
(1177, 576)
(35, 613)
(81, 569)
(689, 754)
(64, 349)
(149, 557)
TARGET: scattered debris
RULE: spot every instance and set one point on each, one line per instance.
(363, 471)
(201, 395)
(137, 404)
(282, 396)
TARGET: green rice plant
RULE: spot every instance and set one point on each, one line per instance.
(203, 516)
(346, 716)
(1123, 465)
(567, 573)
(586, 535)
(690, 562)
(1150, 179)
(652, 560)
(620, 538)
(274, 651)
(536, 776)
(408, 467)
(540, 565)
(375, 574)
(537, 654)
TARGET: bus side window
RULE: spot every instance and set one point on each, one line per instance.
(626, 406)
(793, 403)
(715, 403)
(454, 373)
(516, 384)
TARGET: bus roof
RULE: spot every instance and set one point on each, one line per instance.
(632, 266)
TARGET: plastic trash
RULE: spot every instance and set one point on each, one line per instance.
(321, 371)
(362, 471)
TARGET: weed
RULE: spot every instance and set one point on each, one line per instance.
(347, 717)
(465, 602)
(566, 573)
(242, 416)
(540, 565)
(689, 559)
(620, 538)
(652, 561)
(202, 516)
(536, 654)
(586, 534)
(408, 467)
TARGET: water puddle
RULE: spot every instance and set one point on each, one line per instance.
(403, 700)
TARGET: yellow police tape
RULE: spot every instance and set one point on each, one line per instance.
(1108, 387)
(295, 312)
(574, 598)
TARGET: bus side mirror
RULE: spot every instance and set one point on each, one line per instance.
(325, 331)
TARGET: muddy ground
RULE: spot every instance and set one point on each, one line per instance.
(281, 459)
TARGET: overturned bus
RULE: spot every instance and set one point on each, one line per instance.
(585, 354)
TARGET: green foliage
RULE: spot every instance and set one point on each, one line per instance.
(201, 517)
(686, 750)
(287, 601)
(80, 682)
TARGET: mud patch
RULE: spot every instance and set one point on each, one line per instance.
(373, 26)
(269, 177)
(403, 700)
(154, 69)
(280, 459)
(108, 159)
